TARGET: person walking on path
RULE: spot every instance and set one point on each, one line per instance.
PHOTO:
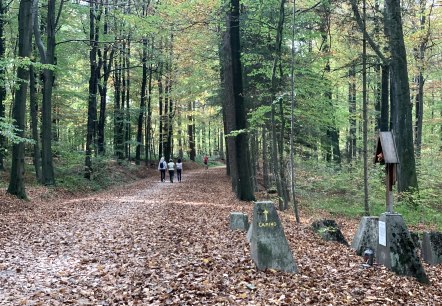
(162, 168)
(206, 161)
(179, 169)
(171, 167)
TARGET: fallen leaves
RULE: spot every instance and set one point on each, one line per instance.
(153, 243)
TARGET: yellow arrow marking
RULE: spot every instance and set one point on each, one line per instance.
(266, 212)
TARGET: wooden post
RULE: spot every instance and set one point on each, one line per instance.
(389, 186)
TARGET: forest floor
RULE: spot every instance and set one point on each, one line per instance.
(154, 243)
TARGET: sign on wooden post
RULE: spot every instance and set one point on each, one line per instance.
(386, 153)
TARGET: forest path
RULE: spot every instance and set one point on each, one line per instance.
(153, 243)
(121, 246)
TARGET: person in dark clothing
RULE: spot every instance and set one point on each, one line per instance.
(162, 166)
(179, 169)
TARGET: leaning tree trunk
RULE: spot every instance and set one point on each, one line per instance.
(402, 121)
(16, 182)
(278, 160)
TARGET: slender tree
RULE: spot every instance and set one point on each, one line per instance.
(3, 10)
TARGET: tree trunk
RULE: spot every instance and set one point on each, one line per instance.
(93, 89)
(365, 110)
(238, 146)
(277, 160)
(190, 134)
(118, 112)
(16, 183)
(105, 59)
(48, 57)
(33, 106)
(332, 150)
(351, 141)
(143, 98)
(160, 110)
(385, 105)
(419, 55)
(402, 123)
(2, 82)
(265, 168)
(128, 134)
(149, 115)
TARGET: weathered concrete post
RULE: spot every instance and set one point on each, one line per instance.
(268, 244)
(396, 249)
(432, 248)
(367, 235)
(239, 221)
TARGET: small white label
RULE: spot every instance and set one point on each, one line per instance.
(382, 234)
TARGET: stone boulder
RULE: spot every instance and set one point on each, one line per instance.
(329, 230)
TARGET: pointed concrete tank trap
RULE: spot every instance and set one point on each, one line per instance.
(268, 244)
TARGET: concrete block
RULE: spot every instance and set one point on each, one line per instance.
(396, 249)
(329, 230)
(268, 245)
(239, 221)
(367, 235)
(432, 247)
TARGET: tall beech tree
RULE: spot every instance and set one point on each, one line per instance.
(95, 11)
(237, 140)
(47, 56)
(400, 101)
(401, 113)
(16, 183)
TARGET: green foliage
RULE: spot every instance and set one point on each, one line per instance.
(9, 131)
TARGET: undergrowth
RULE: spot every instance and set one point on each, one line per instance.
(340, 191)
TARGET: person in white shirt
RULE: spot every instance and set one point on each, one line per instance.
(171, 167)
(162, 165)
(179, 169)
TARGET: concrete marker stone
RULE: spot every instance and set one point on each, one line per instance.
(268, 245)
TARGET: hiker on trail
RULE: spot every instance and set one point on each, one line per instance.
(171, 167)
(206, 161)
(162, 168)
(179, 169)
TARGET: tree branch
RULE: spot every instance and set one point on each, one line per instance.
(370, 40)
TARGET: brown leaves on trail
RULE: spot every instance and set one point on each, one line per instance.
(153, 243)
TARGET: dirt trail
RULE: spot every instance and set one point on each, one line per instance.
(153, 243)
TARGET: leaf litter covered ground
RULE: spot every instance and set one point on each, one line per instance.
(153, 243)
